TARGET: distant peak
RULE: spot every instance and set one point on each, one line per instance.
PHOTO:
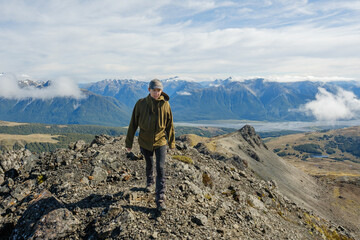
(172, 79)
(27, 83)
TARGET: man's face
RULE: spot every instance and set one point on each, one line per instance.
(155, 93)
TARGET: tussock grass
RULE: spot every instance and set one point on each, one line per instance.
(211, 146)
(184, 159)
(207, 181)
(208, 196)
(315, 223)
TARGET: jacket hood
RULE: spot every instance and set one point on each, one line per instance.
(152, 102)
(166, 97)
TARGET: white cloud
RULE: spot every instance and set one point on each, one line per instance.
(291, 78)
(93, 40)
(61, 87)
(327, 106)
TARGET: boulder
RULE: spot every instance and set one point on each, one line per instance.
(79, 145)
(45, 218)
(200, 219)
(99, 174)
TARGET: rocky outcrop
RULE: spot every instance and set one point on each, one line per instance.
(249, 134)
(96, 191)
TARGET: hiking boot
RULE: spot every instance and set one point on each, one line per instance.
(161, 207)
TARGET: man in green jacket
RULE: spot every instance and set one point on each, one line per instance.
(153, 116)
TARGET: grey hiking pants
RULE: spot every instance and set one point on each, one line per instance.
(160, 154)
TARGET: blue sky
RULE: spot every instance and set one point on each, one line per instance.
(195, 39)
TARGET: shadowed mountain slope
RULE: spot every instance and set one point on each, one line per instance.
(93, 109)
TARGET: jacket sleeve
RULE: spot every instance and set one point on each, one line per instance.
(170, 131)
(134, 122)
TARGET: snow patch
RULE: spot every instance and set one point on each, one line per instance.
(183, 93)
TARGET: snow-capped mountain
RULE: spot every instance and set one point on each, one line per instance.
(35, 84)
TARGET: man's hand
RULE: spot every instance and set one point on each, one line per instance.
(128, 149)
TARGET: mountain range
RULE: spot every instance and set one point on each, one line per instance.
(109, 102)
(255, 99)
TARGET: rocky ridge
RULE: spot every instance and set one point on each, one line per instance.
(96, 191)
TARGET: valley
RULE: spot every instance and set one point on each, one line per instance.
(332, 158)
(323, 153)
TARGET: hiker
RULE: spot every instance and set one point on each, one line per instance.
(153, 116)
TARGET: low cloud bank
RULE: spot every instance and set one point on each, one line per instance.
(61, 87)
(343, 105)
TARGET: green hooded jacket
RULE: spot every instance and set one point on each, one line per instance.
(155, 120)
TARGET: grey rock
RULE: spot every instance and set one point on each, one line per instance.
(99, 174)
(181, 146)
(252, 154)
(236, 177)
(254, 202)
(23, 190)
(4, 189)
(240, 164)
(79, 145)
(9, 161)
(193, 188)
(28, 161)
(200, 219)
(104, 230)
(71, 145)
(101, 140)
(155, 235)
(126, 217)
(243, 174)
(85, 180)
(201, 147)
(2, 177)
(8, 202)
(134, 157)
(114, 211)
(45, 218)
(109, 222)
(57, 224)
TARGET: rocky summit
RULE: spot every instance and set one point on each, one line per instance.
(97, 191)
